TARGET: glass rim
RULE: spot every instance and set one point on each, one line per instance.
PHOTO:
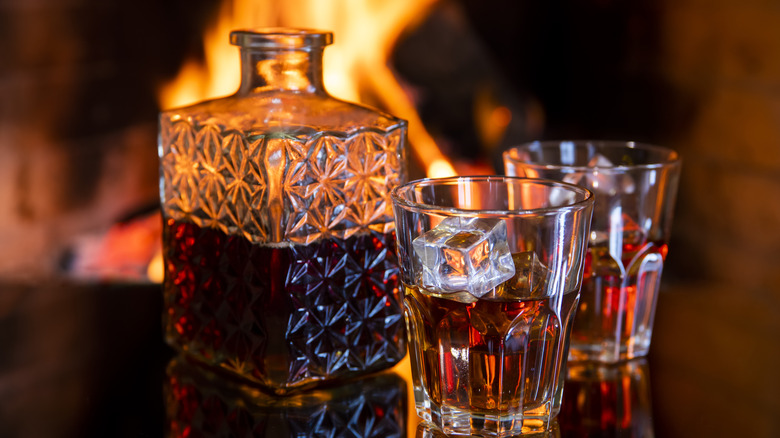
(398, 199)
(280, 37)
(671, 157)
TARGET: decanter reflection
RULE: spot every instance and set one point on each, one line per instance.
(610, 401)
(200, 402)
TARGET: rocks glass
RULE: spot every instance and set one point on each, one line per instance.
(491, 270)
(635, 187)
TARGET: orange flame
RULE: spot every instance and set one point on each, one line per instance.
(364, 33)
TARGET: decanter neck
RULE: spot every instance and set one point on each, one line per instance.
(281, 60)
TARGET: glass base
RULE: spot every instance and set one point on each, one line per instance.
(607, 352)
(429, 430)
(453, 421)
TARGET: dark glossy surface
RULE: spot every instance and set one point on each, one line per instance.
(88, 361)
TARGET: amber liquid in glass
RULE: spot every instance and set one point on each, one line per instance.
(489, 359)
(283, 315)
(617, 301)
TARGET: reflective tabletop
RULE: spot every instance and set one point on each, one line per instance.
(83, 360)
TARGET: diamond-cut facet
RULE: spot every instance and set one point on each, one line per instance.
(211, 176)
(329, 307)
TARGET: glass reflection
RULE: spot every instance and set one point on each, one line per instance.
(428, 430)
(202, 403)
(608, 401)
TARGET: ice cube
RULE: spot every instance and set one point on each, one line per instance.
(609, 182)
(633, 234)
(562, 196)
(599, 160)
(464, 254)
(529, 281)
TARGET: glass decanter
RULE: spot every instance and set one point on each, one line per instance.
(280, 261)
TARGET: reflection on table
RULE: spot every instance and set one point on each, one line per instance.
(427, 430)
(610, 401)
(199, 402)
(600, 400)
(607, 400)
(88, 360)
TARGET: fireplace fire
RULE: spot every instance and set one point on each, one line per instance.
(83, 84)
(356, 66)
(359, 69)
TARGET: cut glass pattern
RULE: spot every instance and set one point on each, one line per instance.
(279, 187)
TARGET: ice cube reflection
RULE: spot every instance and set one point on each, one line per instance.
(464, 254)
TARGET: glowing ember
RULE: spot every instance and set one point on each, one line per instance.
(121, 253)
